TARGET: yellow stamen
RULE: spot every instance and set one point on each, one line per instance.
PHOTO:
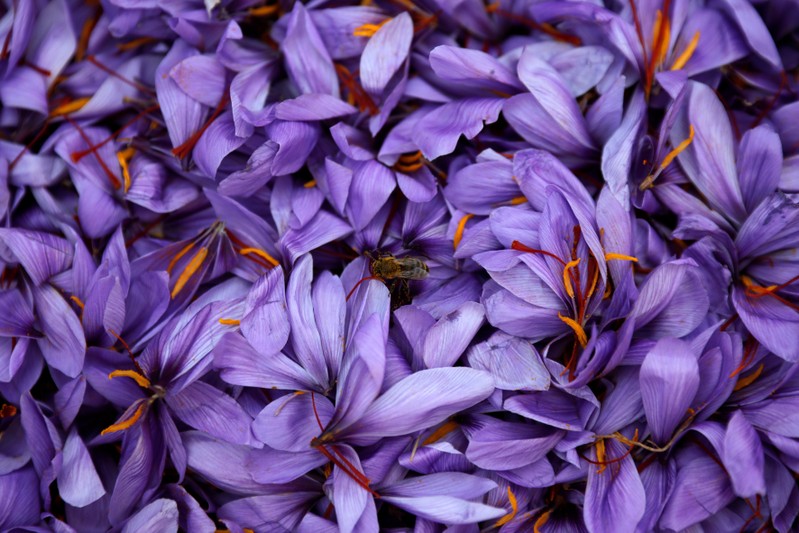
(567, 282)
(541, 521)
(686, 54)
(190, 270)
(367, 30)
(594, 281)
(647, 183)
(260, 253)
(441, 432)
(70, 107)
(619, 257)
(514, 505)
(746, 381)
(177, 257)
(123, 157)
(310, 184)
(125, 424)
(132, 374)
(229, 321)
(456, 240)
(600, 456)
(77, 301)
(579, 332)
(409, 167)
(751, 288)
(264, 11)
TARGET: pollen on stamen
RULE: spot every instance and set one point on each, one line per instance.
(619, 257)
(309, 184)
(77, 301)
(229, 321)
(748, 380)
(456, 240)
(190, 270)
(543, 519)
(579, 332)
(128, 422)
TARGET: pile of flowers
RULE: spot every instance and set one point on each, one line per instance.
(406, 265)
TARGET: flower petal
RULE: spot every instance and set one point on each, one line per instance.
(385, 53)
(614, 496)
(204, 407)
(307, 59)
(78, 482)
(743, 457)
(439, 131)
(160, 515)
(669, 382)
(449, 337)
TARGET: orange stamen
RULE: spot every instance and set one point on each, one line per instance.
(125, 424)
(541, 521)
(514, 506)
(70, 107)
(264, 11)
(660, 43)
(182, 151)
(519, 247)
(177, 257)
(85, 35)
(686, 54)
(367, 30)
(309, 184)
(456, 240)
(7, 411)
(748, 380)
(123, 157)
(190, 270)
(441, 432)
(567, 283)
(132, 374)
(135, 43)
(650, 180)
(77, 301)
(260, 253)
(229, 321)
(619, 257)
(579, 332)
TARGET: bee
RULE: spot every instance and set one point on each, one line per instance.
(387, 267)
(395, 272)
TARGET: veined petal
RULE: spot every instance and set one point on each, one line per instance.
(669, 382)
(446, 509)
(472, 68)
(204, 407)
(743, 457)
(513, 362)
(385, 53)
(349, 497)
(759, 165)
(42, 255)
(78, 482)
(439, 131)
(64, 344)
(160, 515)
(614, 497)
(307, 59)
(311, 107)
(289, 423)
(265, 324)
(416, 402)
(220, 463)
(449, 337)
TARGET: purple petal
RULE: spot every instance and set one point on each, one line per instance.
(42, 255)
(771, 322)
(349, 497)
(219, 462)
(240, 364)
(385, 53)
(472, 68)
(64, 345)
(78, 482)
(450, 336)
(160, 515)
(439, 131)
(274, 466)
(372, 184)
(669, 382)
(279, 510)
(19, 499)
(754, 30)
(216, 143)
(446, 509)
(312, 107)
(307, 59)
(322, 229)
(288, 424)
(553, 407)
(743, 457)
(202, 77)
(183, 115)
(513, 362)
(614, 497)
(305, 335)
(265, 324)
(759, 165)
(499, 445)
(208, 409)
(416, 402)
